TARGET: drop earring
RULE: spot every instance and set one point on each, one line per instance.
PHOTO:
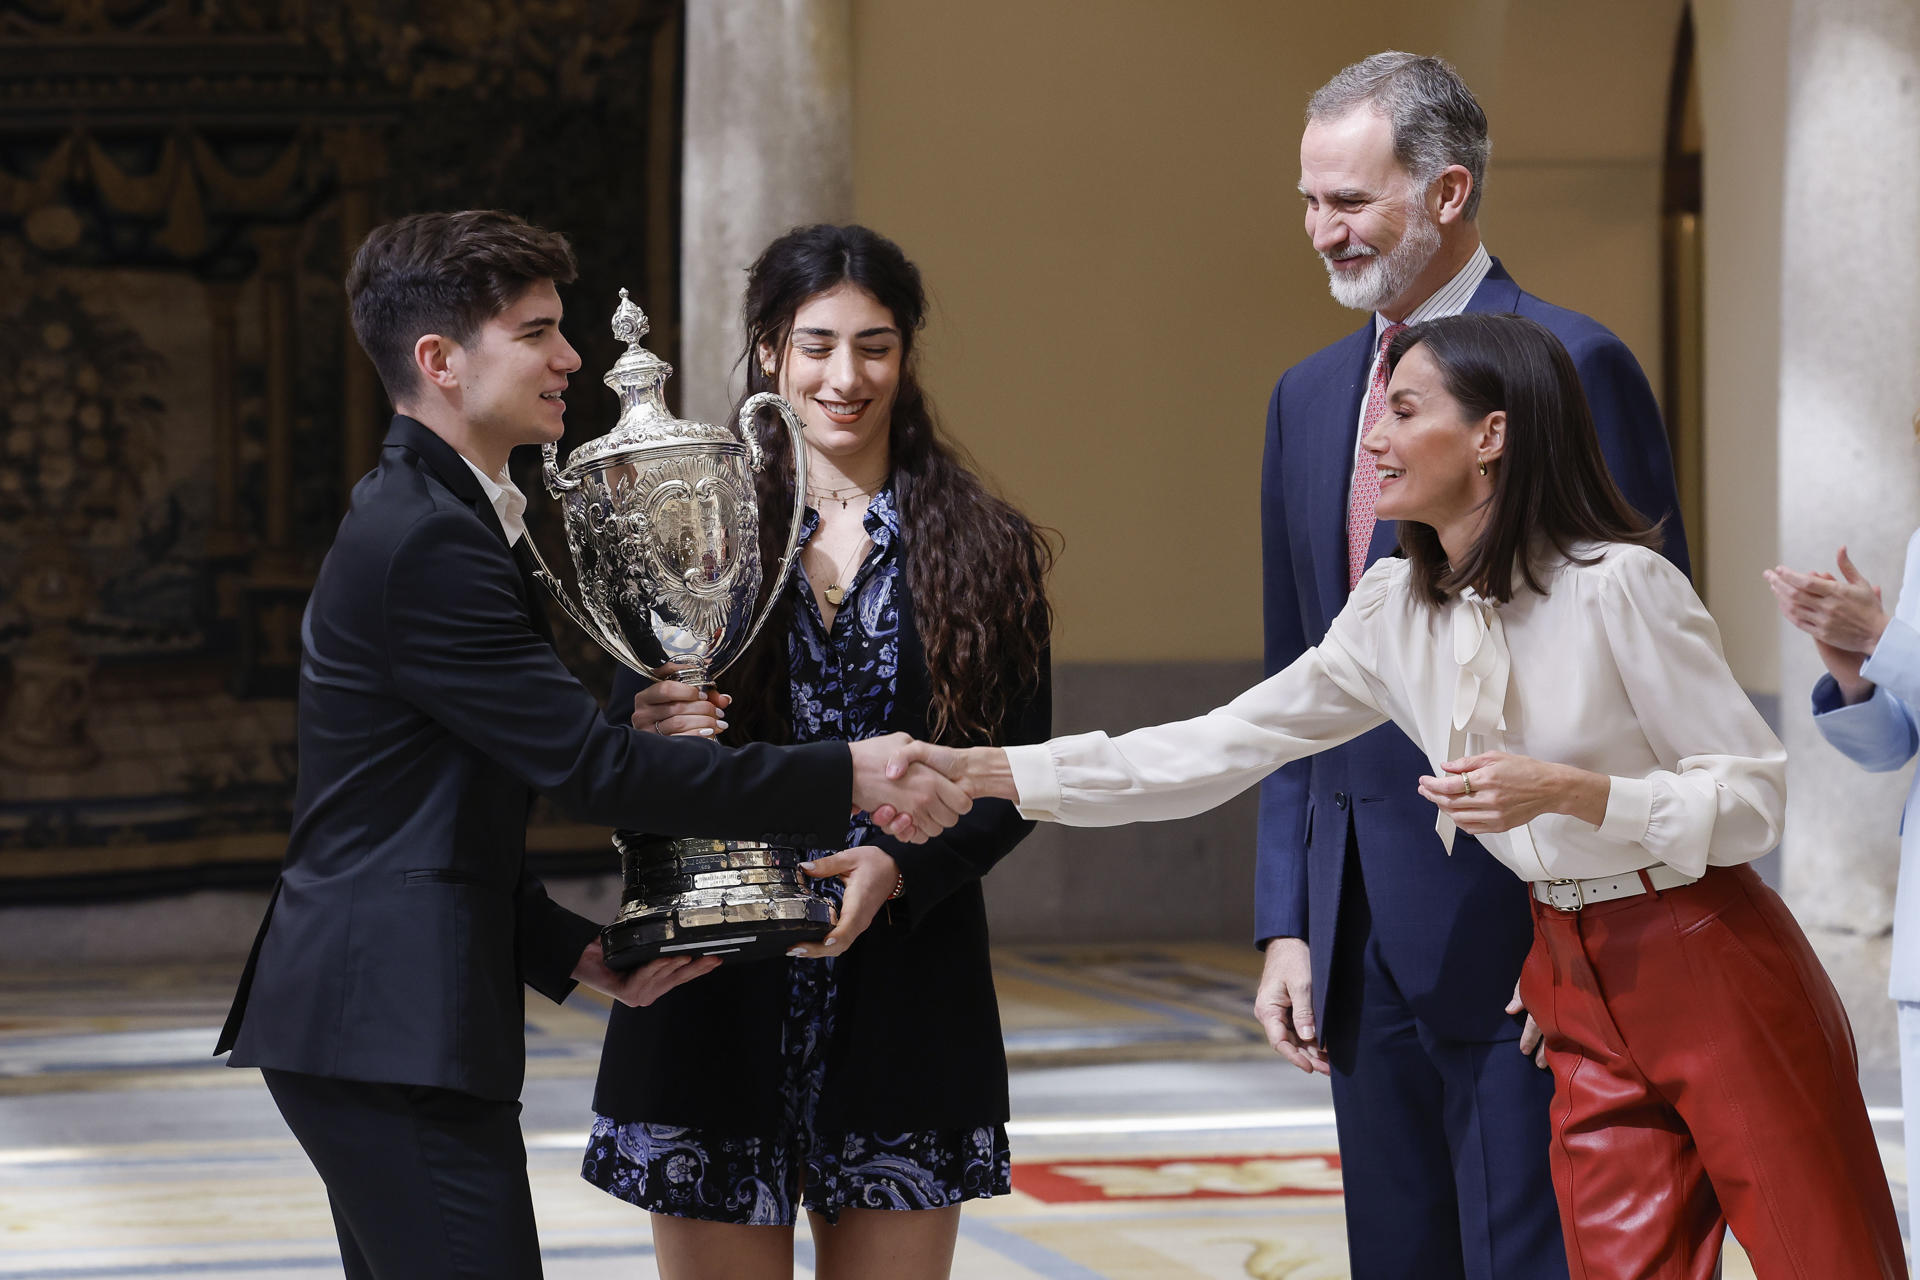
(1483, 468)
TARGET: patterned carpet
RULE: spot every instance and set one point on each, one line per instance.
(1154, 1136)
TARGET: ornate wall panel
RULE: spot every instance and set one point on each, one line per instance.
(182, 406)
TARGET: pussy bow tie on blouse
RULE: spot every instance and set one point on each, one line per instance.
(1480, 688)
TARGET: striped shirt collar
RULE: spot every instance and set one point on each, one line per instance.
(1450, 299)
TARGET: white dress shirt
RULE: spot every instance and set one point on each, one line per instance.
(508, 502)
(1617, 669)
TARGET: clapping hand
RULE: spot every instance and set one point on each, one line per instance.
(1844, 615)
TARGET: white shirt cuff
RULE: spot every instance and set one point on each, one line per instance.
(1629, 810)
(1035, 780)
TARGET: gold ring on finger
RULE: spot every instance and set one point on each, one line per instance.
(1466, 780)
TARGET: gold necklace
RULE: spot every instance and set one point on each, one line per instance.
(846, 495)
(835, 593)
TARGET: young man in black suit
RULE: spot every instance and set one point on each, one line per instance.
(383, 1000)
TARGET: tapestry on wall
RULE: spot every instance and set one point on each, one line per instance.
(182, 407)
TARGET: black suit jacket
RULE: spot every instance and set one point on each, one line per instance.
(916, 1038)
(431, 707)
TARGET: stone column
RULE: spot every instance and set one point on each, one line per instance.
(1850, 472)
(769, 145)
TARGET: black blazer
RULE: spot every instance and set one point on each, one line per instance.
(916, 1040)
(431, 707)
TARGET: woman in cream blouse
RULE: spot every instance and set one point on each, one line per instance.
(1569, 688)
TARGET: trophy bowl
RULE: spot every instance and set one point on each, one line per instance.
(663, 526)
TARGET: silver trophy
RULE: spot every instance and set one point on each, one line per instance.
(664, 528)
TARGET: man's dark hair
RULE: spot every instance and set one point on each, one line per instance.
(1551, 487)
(1435, 119)
(445, 273)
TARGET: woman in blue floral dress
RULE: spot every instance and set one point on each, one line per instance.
(864, 1078)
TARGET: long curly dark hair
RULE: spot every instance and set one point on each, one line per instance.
(975, 567)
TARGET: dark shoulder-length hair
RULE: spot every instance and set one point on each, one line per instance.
(975, 566)
(1551, 487)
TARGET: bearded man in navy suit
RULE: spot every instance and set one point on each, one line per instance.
(1390, 965)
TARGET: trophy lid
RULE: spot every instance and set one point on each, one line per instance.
(645, 421)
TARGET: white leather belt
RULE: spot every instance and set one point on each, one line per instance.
(1571, 895)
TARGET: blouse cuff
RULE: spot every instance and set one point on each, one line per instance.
(1828, 700)
(1897, 655)
(1035, 780)
(1831, 710)
(1629, 810)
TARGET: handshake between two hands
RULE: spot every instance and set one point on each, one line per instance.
(913, 790)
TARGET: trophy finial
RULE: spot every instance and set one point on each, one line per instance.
(629, 321)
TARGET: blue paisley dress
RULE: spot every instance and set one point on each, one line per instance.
(843, 683)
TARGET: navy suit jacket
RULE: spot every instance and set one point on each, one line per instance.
(431, 708)
(1454, 929)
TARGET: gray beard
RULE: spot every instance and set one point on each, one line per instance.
(1386, 277)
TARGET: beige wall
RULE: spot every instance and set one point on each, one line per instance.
(1102, 199)
(1743, 78)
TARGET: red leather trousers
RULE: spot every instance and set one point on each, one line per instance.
(1704, 1076)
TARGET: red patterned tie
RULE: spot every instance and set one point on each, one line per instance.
(1366, 479)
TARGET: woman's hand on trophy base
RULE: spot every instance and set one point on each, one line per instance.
(680, 710)
(644, 985)
(923, 802)
(869, 875)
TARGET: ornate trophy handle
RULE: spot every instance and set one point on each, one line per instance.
(557, 484)
(754, 456)
(547, 579)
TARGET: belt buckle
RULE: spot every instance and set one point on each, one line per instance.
(1553, 896)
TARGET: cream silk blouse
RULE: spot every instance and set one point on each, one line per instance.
(1616, 669)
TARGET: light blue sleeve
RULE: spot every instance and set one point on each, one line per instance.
(1882, 733)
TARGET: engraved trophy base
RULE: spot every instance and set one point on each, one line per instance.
(741, 899)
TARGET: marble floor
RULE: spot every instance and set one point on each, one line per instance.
(1154, 1135)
